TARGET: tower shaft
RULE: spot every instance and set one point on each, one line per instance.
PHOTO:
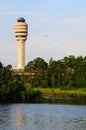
(20, 54)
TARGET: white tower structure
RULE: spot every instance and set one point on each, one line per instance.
(21, 32)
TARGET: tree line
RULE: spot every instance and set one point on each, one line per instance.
(14, 88)
(67, 73)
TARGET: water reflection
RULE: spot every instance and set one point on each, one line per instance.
(19, 119)
(42, 117)
(4, 116)
(67, 100)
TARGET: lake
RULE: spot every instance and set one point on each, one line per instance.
(42, 117)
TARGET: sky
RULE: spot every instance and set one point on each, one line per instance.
(56, 28)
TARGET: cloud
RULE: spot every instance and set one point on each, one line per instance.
(74, 21)
(15, 13)
(54, 46)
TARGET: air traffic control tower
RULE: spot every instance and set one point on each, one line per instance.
(21, 32)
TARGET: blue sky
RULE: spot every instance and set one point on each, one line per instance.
(56, 28)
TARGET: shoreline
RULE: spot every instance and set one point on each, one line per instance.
(56, 92)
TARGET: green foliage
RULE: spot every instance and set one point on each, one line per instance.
(58, 92)
(67, 74)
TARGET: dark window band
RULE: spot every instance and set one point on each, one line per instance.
(21, 36)
(21, 32)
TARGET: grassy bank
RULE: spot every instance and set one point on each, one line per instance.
(61, 93)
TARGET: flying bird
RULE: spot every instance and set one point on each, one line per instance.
(45, 36)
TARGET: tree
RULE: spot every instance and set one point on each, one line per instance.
(9, 67)
(29, 67)
(39, 67)
(1, 65)
(52, 72)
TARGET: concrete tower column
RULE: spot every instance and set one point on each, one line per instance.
(21, 32)
(20, 54)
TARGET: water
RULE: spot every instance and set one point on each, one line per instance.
(42, 117)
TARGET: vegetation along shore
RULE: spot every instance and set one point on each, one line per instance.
(61, 78)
